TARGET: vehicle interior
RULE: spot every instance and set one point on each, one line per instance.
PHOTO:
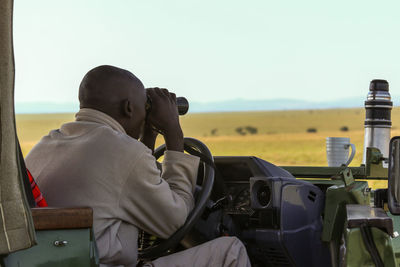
(279, 218)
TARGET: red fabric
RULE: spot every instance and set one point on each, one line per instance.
(37, 195)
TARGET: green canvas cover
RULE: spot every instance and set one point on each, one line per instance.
(16, 224)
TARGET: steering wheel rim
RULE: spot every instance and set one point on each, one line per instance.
(158, 250)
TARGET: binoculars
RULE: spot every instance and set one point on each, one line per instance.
(181, 103)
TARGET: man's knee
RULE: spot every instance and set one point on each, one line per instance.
(234, 251)
(228, 243)
(228, 240)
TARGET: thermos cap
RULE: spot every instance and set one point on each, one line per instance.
(379, 85)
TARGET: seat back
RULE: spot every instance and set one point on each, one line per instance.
(64, 238)
(62, 218)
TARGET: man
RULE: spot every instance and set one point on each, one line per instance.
(97, 161)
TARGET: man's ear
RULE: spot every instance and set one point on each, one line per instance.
(127, 108)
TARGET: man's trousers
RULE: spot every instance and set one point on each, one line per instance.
(220, 252)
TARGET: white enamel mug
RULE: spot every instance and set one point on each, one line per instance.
(337, 151)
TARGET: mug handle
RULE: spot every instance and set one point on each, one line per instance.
(353, 152)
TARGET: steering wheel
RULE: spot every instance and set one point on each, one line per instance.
(192, 146)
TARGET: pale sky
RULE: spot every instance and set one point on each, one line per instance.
(209, 50)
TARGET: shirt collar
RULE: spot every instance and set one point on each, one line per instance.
(93, 115)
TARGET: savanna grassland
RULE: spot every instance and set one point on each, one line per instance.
(280, 137)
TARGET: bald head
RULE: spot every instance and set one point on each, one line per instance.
(114, 91)
(105, 85)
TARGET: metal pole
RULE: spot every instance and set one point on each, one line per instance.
(16, 224)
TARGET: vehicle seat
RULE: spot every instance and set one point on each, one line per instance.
(64, 236)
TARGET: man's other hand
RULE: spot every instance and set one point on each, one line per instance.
(165, 118)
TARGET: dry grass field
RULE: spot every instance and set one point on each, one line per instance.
(281, 137)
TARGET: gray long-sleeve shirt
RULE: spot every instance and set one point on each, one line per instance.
(93, 162)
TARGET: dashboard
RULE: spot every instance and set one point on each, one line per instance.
(275, 215)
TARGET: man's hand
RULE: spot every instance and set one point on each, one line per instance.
(149, 136)
(164, 117)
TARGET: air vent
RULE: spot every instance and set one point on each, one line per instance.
(260, 194)
(264, 195)
(311, 196)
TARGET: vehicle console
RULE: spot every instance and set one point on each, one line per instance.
(277, 217)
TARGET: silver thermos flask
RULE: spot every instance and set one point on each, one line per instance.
(378, 124)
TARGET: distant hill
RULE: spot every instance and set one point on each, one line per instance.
(220, 106)
(45, 107)
(273, 104)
